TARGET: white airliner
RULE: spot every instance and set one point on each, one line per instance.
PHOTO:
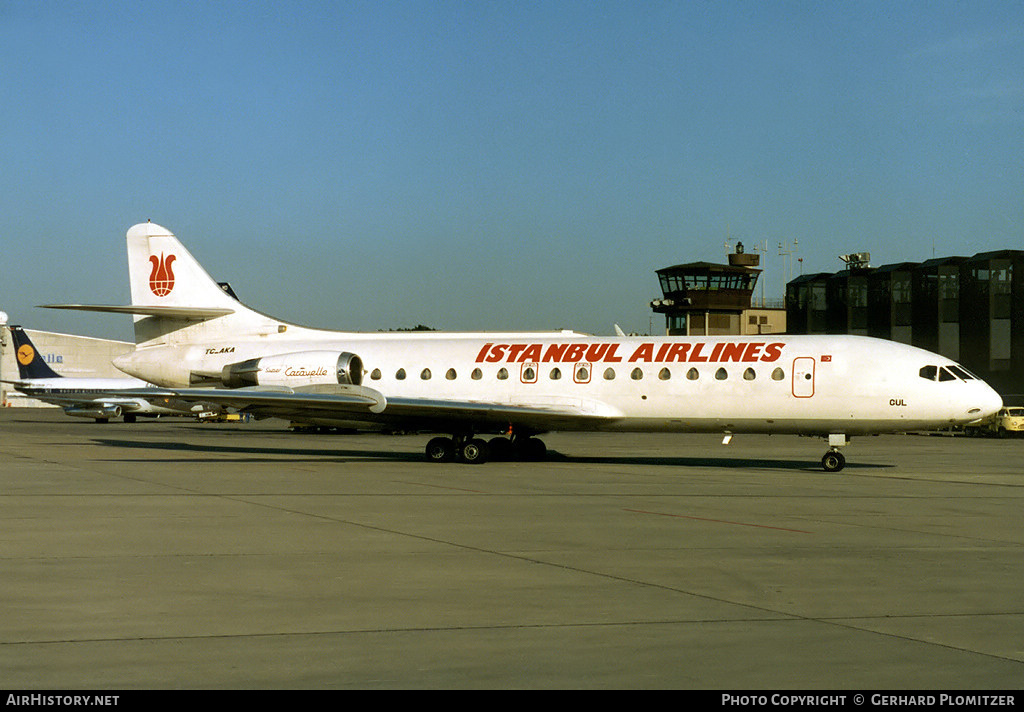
(190, 333)
(98, 398)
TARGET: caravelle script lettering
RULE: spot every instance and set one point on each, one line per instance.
(305, 372)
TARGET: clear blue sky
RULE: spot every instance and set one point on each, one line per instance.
(495, 165)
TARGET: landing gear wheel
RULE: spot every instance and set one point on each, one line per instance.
(531, 449)
(474, 452)
(833, 461)
(441, 450)
(499, 449)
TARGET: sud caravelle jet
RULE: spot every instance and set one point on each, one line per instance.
(200, 343)
(99, 398)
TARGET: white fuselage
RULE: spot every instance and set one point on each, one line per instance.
(772, 384)
(189, 332)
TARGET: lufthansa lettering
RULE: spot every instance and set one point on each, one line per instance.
(647, 352)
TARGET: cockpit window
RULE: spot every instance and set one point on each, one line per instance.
(950, 372)
(963, 373)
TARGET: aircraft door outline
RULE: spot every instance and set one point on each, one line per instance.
(528, 373)
(581, 372)
(803, 377)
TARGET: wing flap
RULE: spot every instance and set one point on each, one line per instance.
(472, 415)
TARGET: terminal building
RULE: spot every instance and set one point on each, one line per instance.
(707, 299)
(969, 309)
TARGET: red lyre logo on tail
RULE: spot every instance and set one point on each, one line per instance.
(161, 279)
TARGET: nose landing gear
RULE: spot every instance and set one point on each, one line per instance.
(833, 460)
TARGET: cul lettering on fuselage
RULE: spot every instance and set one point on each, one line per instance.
(490, 395)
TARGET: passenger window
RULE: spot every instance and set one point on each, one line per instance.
(778, 375)
(609, 374)
(636, 374)
(451, 374)
(425, 374)
(556, 373)
(375, 374)
(400, 375)
(721, 374)
(529, 374)
(582, 374)
(749, 375)
(477, 374)
(928, 372)
(693, 374)
(664, 374)
(502, 374)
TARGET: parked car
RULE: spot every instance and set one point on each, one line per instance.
(1008, 421)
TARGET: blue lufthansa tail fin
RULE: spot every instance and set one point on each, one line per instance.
(30, 363)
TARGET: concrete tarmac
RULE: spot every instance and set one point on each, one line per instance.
(172, 554)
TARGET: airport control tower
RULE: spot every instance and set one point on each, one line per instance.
(702, 298)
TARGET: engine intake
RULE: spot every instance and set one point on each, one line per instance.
(302, 368)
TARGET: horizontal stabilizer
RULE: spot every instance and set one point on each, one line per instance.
(168, 312)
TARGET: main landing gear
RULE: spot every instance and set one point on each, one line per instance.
(833, 460)
(475, 451)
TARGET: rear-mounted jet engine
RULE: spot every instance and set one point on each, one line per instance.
(303, 368)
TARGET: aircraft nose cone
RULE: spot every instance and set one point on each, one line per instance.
(994, 404)
(987, 403)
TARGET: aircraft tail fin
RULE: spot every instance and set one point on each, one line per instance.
(172, 292)
(165, 276)
(30, 364)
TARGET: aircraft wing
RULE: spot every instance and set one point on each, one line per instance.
(75, 392)
(65, 400)
(128, 400)
(359, 404)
